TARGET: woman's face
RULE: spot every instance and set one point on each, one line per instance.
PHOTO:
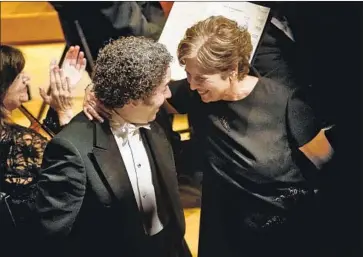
(211, 87)
(17, 93)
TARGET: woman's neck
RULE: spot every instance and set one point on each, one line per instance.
(241, 89)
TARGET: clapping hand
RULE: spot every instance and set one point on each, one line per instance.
(60, 97)
(74, 64)
(62, 81)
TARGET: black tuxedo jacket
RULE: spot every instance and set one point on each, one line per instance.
(85, 202)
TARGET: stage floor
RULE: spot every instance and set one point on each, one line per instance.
(38, 58)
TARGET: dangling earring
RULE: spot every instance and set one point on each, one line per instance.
(233, 75)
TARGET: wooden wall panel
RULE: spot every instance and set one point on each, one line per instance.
(29, 22)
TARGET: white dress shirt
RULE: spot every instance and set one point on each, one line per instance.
(137, 164)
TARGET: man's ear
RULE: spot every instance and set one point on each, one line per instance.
(135, 103)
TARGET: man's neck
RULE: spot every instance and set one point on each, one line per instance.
(118, 119)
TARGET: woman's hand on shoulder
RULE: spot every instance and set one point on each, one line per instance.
(93, 108)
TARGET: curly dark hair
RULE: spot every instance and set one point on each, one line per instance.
(129, 68)
(12, 63)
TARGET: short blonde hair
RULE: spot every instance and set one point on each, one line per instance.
(218, 44)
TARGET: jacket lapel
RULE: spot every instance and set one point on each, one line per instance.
(113, 172)
(164, 162)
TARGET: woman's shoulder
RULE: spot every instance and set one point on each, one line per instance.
(14, 131)
(276, 85)
(275, 90)
(22, 151)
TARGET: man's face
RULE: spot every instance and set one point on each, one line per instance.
(144, 111)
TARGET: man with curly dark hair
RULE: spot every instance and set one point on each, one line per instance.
(110, 189)
(133, 69)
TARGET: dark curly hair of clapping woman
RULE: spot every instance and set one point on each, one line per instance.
(129, 68)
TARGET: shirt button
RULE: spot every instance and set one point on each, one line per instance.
(139, 165)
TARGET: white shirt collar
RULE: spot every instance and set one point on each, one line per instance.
(122, 128)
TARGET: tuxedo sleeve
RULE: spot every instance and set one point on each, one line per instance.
(61, 188)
